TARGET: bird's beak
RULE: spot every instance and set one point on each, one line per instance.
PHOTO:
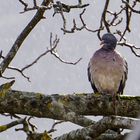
(102, 42)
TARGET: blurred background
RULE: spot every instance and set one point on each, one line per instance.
(49, 75)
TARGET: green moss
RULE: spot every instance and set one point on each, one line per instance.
(97, 94)
(130, 97)
(81, 94)
(64, 100)
(46, 136)
(39, 95)
(4, 88)
(137, 98)
(2, 94)
(49, 105)
(3, 128)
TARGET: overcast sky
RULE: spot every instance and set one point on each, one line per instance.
(49, 76)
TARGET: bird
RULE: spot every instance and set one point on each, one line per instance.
(107, 69)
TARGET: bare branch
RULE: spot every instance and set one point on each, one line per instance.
(116, 17)
(33, 127)
(84, 24)
(8, 78)
(104, 15)
(35, 61)
(75, 28)
(26, 8)
(54, 125)
(131, 8)
(62, 7)
(34, 2)
(128, 13)
(52, 50)
(38, 16)
(11, 115)
(64, 19)
(34, 7)
(24, 4)
(52, 47)
(13, 68)
(63, 61)
(103, 20)
(20, 71)
(132, 47)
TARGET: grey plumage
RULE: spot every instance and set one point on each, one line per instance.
(107, 69)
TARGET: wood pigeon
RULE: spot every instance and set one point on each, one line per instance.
(107, 69)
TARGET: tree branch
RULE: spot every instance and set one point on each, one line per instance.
(84, 26)
(63, 107)
(103, 20)
(51, 49)
(104, 15)
(133, 48)
(28, 103)
(104, 136)
(131, 7)
(12, 124)
(38, 16)
(97, 129)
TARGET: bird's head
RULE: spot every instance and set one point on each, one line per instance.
(108, 41)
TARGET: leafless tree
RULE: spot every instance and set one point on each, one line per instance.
(73, 107)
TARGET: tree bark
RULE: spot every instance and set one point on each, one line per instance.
(63, 107)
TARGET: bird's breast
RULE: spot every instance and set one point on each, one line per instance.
(107, 73)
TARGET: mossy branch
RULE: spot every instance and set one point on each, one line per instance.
(73, 108)
(65, 106)
(12, 124)
(94, 131)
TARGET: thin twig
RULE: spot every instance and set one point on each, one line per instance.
(84, 26)
(103, 20)
(52, 50)
(35, 61)
(33, 127)
(7, 78)
(63, 61)
(24, 4)
(54, 125)
(13, 68)
(131, 8)
(132, 47)
(34, 7)
(53, 46)
(21, 72)
(35, 3)
(20, 39)
(62, 7)
(12, 124)
(104, 15)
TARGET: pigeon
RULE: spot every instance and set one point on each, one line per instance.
(107, 69)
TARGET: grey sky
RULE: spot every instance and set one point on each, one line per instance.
(50, 76)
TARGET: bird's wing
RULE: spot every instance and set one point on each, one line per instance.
(124, 78)
(90, 79)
